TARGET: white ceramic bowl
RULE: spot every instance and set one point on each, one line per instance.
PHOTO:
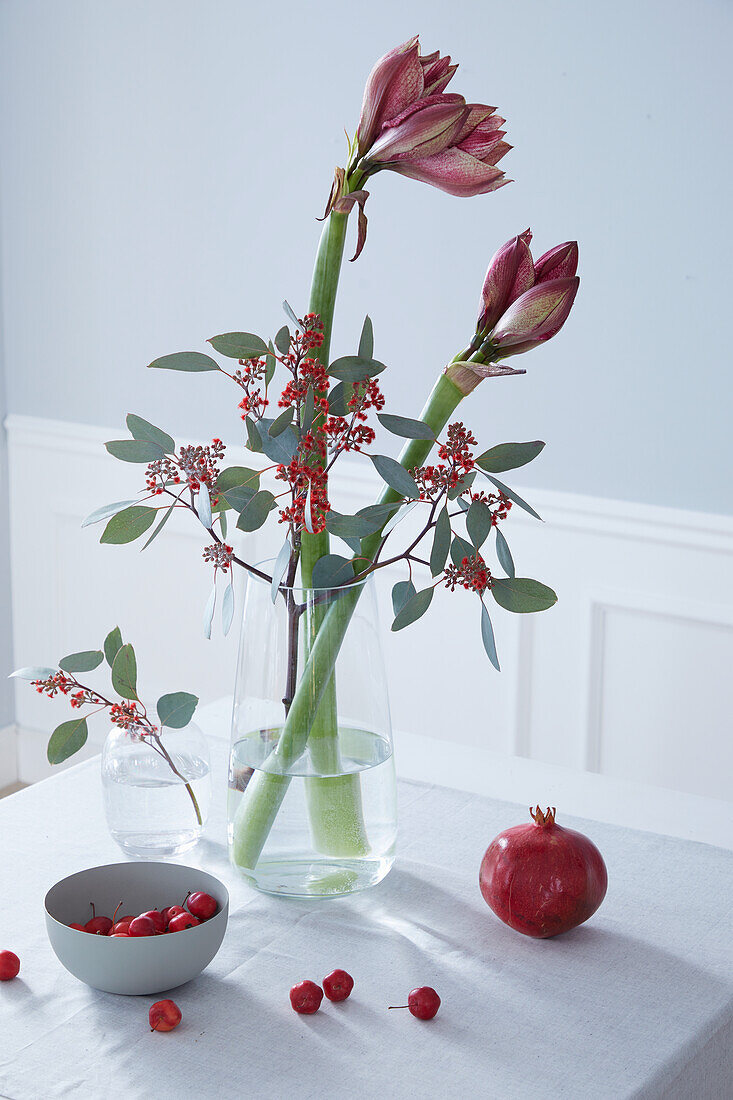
(142, 964)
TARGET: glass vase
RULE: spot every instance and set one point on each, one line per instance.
(157, 791)
(312, 803)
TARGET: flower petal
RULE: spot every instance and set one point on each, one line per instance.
(425, 128)
(510, 274)
(395, 81)
(536, 316)
(560, 262)
(453, 171)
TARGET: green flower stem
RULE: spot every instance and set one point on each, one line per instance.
(265, 791)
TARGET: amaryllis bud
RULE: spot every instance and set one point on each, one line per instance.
(410, 125)
(510, 274)
(560, 262)
(535, 317)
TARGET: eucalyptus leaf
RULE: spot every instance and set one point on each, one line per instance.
(189, 361)
(86, 661)
(203, 507)
(465, 483)
(366, 340)
(270, 367)
(124, 672)
(331, 571)
(478, 522)
(279, 448)
(112, 645)
(134, 450)
(412, 610)
(209, 612)
(291, 314)
(401, 593)
(504, 554)
(176, 709)
(143, 430)
(238, 497)
(399, 515)
(513, 496)
(161, 525)
(278, 570)
(377, 514)
(396, 476)
(239, 345)
(441, 543)
(487, 637)
(405, 427)
(337, 399)
(254, 514)
(282, 340)
(281, 422)
(67, 739)
(254, 439)
(227, 608)
(308, 509)
(106, 511)
(352, 368)
(128, 525)
(509, 456)
(460, 549)
(522, 595)
(350, 526)
(32, 672)
(237, 475)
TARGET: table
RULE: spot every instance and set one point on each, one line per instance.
(636, 1003)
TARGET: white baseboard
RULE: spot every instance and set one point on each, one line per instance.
(628, 676)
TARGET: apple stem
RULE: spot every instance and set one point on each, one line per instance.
(396, 1006)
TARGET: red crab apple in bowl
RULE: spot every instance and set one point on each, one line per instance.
(150, 962)
(541, 878)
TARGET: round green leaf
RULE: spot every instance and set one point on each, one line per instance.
(67, 739)
(128, 525)
(522, 595)
(239, 345)
(281, 422)
(461, 549)
(478, 522)
(332, 571)
(349, 526)
(176, 710)
(86, 661)
(254, 514)
(188, 361)
(237, 475)
(112, 645)
(401, 593)
(282, 340)
(124, 672)
(134, 450)
(352, 368)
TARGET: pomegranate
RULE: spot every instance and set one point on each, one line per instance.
(541, 879)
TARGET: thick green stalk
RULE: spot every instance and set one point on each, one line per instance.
(266, 791)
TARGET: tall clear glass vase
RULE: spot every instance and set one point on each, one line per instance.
(312, 792)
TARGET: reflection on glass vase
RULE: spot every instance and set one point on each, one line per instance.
(312, 802)
(157, 791)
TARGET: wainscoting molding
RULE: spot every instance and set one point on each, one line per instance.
(628, 676)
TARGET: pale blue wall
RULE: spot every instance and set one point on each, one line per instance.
(6, 633)
(164, 161)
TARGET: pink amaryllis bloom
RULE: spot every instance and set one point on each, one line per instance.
(410, 125)
(510, 273)
(536, 316)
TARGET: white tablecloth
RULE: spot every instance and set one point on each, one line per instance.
(636, 1003)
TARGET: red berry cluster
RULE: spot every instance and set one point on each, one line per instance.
(472, 574)
(220, 554)
(308, 373)
(500, 504)
(127, 717)
(351, 433)
(63, 684)
(250, 378)
(303, 475)
(456, 461)
(193, 466)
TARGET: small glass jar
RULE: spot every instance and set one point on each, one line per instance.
(312, 791)
(157, 792)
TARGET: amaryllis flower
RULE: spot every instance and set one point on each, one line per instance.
(410, 125)
(510, 273)
(536, 316)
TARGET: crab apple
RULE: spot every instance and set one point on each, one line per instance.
(78, 927)
(181, 921)
(172, 911)
(141, 926)
(120, 936)
(9, 966)
(338, 985)
(164, 1016)
(159, 922)
(98, 925)
(306, 997)
(422, 1002)
(121, 926)
(202, 905)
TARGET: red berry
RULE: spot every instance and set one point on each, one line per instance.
(98, 926)
(306, 997)
(172, 911)
(121, 926)
(202, 905)
(423, 1002)
(159, 923)
(9, 966)
(141, 926)
(338, 985)
(181, 921)
(164, 1016)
